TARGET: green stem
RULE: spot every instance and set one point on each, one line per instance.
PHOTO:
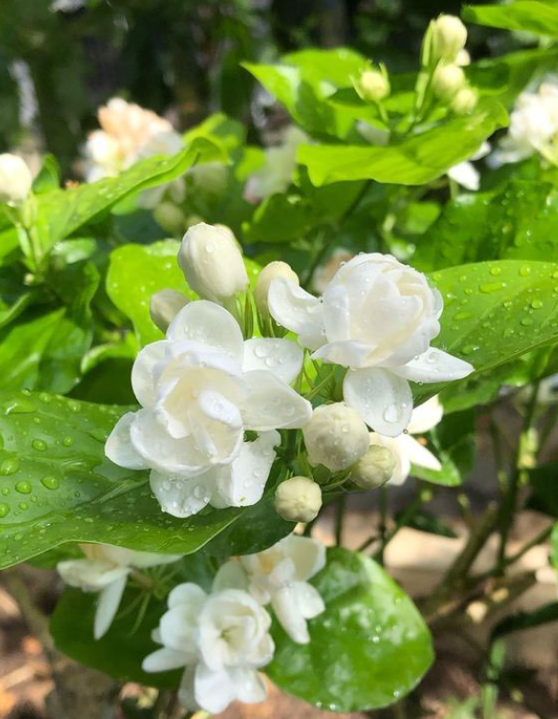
(422, 497)
(339, 517)
(382, 529)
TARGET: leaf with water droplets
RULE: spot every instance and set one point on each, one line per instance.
(367, 650)
(56, 486)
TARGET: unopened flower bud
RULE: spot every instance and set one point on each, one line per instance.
(449, 36)
(335, 436)
(447, 80)
(298, 499)
(170, 217)
(212, 263)
(273, 271)
(164, 306)
(373, 85)
(15, 179)
(373, 469)
(464, 101)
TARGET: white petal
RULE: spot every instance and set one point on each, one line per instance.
(213, 690)
(230, 575)
(426, 416)
(207, 323)
(242, 483)
(434, 365)
(307, 555)
(297, 310)
(119, 448)
(90, 575)
(418, 454)
(182, 497)
(178, 628)
(143, 371)
(109, 601)
(280, 356)
(285, 605)
(309, 600)
(187, 593)
(153, 559)
(163, 660)
(383, 400)
(466, 175)
(250, 687)
(350, 353)
(272, 404)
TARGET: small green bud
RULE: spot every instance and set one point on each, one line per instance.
(464, 101)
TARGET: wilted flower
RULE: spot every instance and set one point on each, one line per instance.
(336, 436)
(221, 638)
(533, 126)
(105, 569)
(280, 575)
(279, 165)
(298, 499)
(15, 179)
(212, 262)
(406, 449)
(200, 390)
(377, 317)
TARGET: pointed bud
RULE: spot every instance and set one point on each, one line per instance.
(464, 101)
(447, 81)
(164, 306)
(335, 436)
(15, 179)
(212, 263)
(373, 85)
(273, 271)
(449, 36)
(374, 469)
(298, 499)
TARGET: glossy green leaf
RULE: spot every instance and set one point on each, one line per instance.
(495, 311)
(539, 18)
(61, 212)
(544, 485)
(416, 160)
(526, 620)
(368, 649)
(56, 486)
(49, 175)
(518, 222)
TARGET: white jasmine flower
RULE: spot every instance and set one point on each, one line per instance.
(280, 575)
(212, 263)
(405, 449)
(373, 84)
(466, 174)
(269, 273)
(377, 317)
(279, 165)
(200, 390)
(15, 179)
(533, 126)
(105, 570)
(222, 639)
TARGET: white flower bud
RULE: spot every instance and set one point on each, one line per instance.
(269, 273)
(335, 436)
(164, 306)
(447, 80)
(15, 179)
(449, 36)
(212, 263)
(464, 101)
(298, 499)
(373, 469)
(373, 85)
(170, 217)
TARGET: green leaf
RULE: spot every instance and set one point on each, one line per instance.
(49, 175)
(526, 620)
(423, 521)
(61, 212)
(56, 486)
(123, 648)
(518, 222)
(138, 271)
(494, 312)
(416, 160)
(539, 18)
(368, 649)
(544, 483)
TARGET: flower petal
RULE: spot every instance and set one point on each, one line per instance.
(182, 497)
(143, 372)
(418, 454)
(383, 400)
(434, 365)
(297, 310)
(308, 555)
(178, 628)
(347, 354)
(119, 448)
(272, 404)
(163, 660)
(285, 605)
(230, 575)
(207, 323)
(466, 175)
(250, 687)
(109, 601)
(187, 593)
(242, 483)
(426, 416)
(280, 356)
(402, 467)
(213, 690)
